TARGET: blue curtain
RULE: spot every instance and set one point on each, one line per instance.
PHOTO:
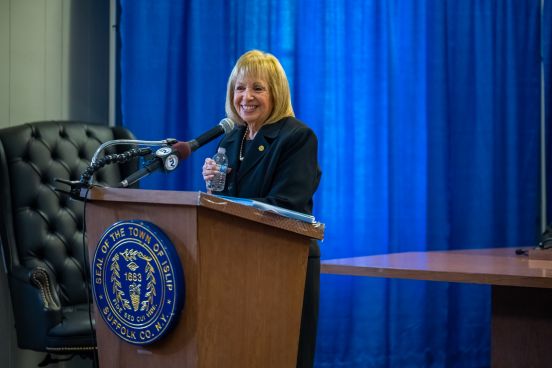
(546, 52)
(428, 117)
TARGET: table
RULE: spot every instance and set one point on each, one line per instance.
(521, 327)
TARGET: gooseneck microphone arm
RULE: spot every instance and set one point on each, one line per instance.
(94, 161)
(164, 142)
(87, 175)
(75, 186)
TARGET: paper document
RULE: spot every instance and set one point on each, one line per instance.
(271, 208)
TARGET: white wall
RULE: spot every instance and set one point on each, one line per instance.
(54, 62)
(4, 61)
(54, 58)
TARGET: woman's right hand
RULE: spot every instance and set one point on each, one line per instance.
(209, 170)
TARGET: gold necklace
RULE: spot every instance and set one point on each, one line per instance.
(242, 156)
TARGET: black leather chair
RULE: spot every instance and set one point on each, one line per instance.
(42, 229)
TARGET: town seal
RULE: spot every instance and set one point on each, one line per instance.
(138, 282)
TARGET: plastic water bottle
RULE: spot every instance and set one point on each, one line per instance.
(217, 183)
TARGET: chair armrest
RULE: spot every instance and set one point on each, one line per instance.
(39, 278)
(35, 309)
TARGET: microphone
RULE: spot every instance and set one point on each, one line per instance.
(166, 158)
(225, 126)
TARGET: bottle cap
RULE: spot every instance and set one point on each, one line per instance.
(221, 150)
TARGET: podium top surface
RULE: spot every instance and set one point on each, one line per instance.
(201, 199)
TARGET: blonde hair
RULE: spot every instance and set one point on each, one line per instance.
(265, 66)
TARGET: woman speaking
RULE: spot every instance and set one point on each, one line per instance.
(272, 158)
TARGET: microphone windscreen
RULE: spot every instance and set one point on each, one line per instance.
(227, 124)
(182, 149)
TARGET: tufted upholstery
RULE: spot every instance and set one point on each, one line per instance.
(42, 230)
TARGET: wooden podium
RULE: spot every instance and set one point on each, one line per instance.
(244, 272)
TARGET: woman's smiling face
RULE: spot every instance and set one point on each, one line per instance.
(253, 101)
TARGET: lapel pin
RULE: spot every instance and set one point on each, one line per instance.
(261, 148)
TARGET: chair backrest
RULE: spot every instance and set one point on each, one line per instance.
(40, 227)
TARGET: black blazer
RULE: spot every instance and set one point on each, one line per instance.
(280, 167)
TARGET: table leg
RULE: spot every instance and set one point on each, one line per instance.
(521, 327)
